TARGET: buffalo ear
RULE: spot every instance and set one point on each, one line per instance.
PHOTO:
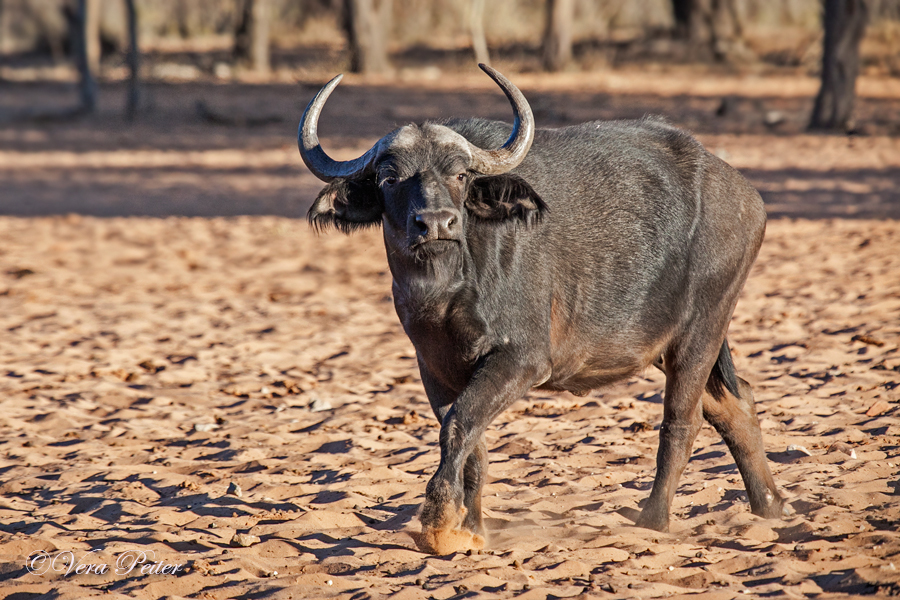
(502, 197)
(347, 204)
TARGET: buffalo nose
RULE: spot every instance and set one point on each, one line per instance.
(437, 224)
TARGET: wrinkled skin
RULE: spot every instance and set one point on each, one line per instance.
(613, 246)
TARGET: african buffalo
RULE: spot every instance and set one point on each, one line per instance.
(556, 259)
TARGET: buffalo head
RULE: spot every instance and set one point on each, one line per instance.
(423, 182)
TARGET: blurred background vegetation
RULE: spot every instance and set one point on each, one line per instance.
(287, 40)
(232, 77)
(604, 32)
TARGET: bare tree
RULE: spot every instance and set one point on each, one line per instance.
(2, 28)
(713, 29)
(181, 18)
(86, 45)
(845, 24)
(681, 10)
(86, 69)
(133, 60)
(251, 40)
(557, 44)
(92, 20)
(476, 27)
(366, 23)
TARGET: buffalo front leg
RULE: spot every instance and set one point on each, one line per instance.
(451, 514)
(734, 417)
(474, 476)
(441, 399)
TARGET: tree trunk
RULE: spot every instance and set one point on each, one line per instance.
(3, 36)
(92, 16)
(88, 83)
(712, 29)
(366, 23)
(557, 46)
(181, 18)
(476, 27)
(681, 11)
(845, 23)
(133, 60)
(251, 41)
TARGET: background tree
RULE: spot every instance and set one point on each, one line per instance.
(133, 60)
(712, 29)
(251, 40)
(87, 48)
(83, 52)
(366, 23)
(476, 27)
(92, 45)
(2, 29)
(557, 42)
(845, 24)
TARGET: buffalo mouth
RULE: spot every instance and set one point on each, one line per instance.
(430, 248)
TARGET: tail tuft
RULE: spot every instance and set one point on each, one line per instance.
(723, 376)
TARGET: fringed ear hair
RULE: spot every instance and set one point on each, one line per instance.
(347, 205)
(503, 197)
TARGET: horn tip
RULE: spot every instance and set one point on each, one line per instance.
(494, 74)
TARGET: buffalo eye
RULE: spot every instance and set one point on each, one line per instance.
(390, 180)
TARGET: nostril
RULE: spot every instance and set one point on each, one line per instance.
(437, 224)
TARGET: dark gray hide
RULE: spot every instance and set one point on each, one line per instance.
(611, 247)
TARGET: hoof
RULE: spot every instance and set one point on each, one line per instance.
(447, 541)
(777, 508)
(653, 522)
(644, 520)
(442, 532)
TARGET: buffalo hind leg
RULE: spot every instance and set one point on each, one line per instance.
(682, 419)
(734, 417)
(726, 401)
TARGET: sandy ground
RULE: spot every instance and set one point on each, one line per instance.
(234, 395)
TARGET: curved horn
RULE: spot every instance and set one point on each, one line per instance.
(323, 166)
(510, 154)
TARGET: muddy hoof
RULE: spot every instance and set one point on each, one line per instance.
(447, 541)
(442, 532)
